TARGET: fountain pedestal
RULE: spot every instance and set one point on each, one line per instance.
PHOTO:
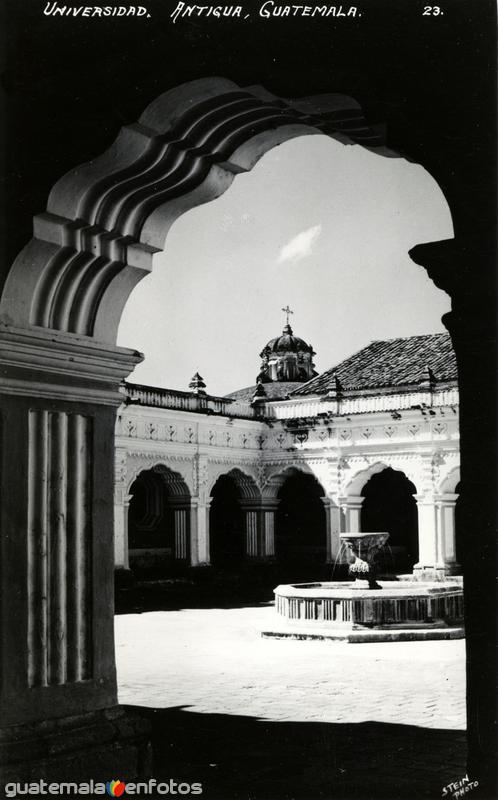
(365, 548)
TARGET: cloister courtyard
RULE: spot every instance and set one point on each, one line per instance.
(258, 719)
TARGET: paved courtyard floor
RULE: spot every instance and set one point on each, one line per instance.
(260, 718)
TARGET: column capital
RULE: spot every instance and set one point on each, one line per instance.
(269, 503)
(66, 367)
(200, 502)
(427, 499)
(251, 504)
(178, 502)
(450, 263)
(446, 498)
(331, 501)
(351, 500)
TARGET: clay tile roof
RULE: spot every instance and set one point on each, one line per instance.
(389, 363)
(277, 390)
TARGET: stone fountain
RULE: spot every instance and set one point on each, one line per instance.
(365, 547)
(366, 609)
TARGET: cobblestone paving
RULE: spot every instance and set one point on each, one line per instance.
(215, 661)
(263, 719)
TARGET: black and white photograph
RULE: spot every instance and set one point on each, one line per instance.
(248, 405)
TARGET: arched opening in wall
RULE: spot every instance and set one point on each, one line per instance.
(158, 524)
(271, 232)
(227, 523)
(322, 227)
(300, 530)
(389, 505)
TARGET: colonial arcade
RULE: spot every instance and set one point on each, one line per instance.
(277, 471)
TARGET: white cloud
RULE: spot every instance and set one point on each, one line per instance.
(300, 246)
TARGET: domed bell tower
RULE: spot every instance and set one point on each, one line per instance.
(287, 358)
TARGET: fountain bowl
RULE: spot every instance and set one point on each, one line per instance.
(365, 547)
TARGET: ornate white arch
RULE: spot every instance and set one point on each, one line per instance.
(279, 475)
(137, 463)
(359, 478)
(246, 482)
(450, 481)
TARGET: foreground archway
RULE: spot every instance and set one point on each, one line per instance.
(61, 375)
(60, 310)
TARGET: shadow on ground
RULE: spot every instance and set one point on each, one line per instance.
(243, 758)
(251, 585)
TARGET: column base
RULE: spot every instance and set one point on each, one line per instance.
(103, 745)
(196, 569)
(430, 572)
(123, 578)
(454, 569)
(259, 559)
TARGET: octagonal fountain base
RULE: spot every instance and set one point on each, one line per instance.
(396, 611)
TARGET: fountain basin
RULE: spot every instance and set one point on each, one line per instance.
(397, 610)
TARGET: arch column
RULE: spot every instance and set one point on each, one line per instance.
(58, 401)
(466, 269)
(253, 527)
(268, 513)
(430, 563)
(351, 506)
(181, 533)
(121, 548)
(180, 508)
(333, 522)
(446, 503)
(199, 532)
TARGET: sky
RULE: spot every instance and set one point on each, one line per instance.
(318, 225)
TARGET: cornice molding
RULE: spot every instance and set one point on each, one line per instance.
(63, 366)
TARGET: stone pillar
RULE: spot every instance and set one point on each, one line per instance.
(430, 563)
(352, 510)
(446, 523)
(267, 526)
(58, 399)
(335, 551)
(199, 532)
(121, 549)
(466, 269)
(181, 533)
(252, 517)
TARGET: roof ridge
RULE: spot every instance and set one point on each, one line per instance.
(413, 336)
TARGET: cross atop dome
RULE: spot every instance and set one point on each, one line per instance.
(287, 311)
